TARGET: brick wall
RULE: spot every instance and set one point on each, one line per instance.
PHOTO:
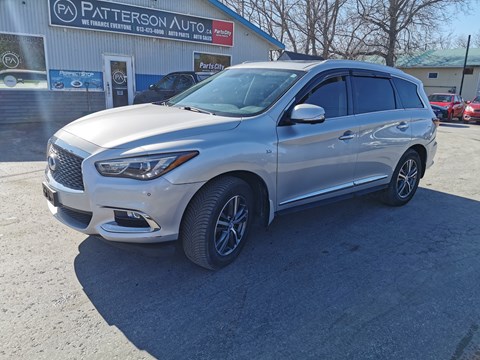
(17, 106)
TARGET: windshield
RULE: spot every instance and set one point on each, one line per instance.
(440, 98)
(238, 92)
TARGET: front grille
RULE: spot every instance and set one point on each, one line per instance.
(83, 218)
(67, 169)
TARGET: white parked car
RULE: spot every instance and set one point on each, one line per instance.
(246, 144)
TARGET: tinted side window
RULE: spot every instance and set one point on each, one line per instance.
(184, 82)
(331, 95)
(166, 83)
(408, 93)
(372, 94)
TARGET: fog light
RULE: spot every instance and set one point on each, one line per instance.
(133, 215)
(130, 219)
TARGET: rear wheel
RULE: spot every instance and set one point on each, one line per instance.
(216, 222)
(405, 180)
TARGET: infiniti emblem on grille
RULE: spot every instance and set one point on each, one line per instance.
(52, 162)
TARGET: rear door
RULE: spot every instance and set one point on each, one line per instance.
(384, 127)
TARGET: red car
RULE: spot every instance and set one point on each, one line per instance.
(472, 111)
(454, 104)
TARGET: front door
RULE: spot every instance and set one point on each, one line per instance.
(317, 161)
(119, 80)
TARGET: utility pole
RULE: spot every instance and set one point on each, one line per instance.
(465, 65)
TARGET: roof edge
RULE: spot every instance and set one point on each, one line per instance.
(246, 23)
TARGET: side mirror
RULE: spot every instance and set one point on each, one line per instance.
(307, 114)
(153, 87)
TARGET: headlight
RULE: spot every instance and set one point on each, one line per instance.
(468, 108)
(145, 167)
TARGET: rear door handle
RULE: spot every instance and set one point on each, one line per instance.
(402, 126)
(347, 135)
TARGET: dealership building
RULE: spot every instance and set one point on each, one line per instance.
(62, 59)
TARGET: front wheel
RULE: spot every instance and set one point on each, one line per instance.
(216, 222)
(405, 180)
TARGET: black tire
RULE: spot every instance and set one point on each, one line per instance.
(205, 222)
(405, 180)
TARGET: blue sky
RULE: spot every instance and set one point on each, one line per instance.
(465, 24)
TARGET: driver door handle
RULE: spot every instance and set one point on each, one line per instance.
(402, 126)
(347, 135)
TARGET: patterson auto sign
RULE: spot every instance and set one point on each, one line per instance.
(134, 20)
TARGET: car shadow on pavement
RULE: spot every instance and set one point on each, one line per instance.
(453, 125)
(353, 279)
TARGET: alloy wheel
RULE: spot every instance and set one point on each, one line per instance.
(231, 225)
(407, 178)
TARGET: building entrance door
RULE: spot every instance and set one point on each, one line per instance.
(119, 78)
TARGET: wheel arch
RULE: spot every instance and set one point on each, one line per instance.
(422, 152)
(259, 189)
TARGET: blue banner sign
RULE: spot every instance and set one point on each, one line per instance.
(135, 20)
(74, 80)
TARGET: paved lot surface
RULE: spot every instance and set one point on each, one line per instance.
(352, 280)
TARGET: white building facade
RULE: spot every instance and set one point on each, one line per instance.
(66, 58)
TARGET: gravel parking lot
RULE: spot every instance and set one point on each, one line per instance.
(351, 280)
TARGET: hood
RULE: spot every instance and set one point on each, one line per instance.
(114, 128)
(442, 104)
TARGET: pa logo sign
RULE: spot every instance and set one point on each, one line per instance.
(10, 60)
(119, 77)
(65, 10)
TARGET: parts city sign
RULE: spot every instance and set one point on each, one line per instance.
(134, 20)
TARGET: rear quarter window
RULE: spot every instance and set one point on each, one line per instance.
(408, 93)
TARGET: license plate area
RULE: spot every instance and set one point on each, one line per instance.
(50, 194)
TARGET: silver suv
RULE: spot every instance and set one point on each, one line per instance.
(251, 142)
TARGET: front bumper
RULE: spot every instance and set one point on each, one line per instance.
(471, 116)
(157, 205)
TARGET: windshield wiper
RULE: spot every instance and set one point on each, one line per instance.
(163, 103)
(191, 108)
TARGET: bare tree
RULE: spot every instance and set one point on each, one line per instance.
(317, 21)
(461, 41)
(476, 39)
(398, 23)
(352, 29)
